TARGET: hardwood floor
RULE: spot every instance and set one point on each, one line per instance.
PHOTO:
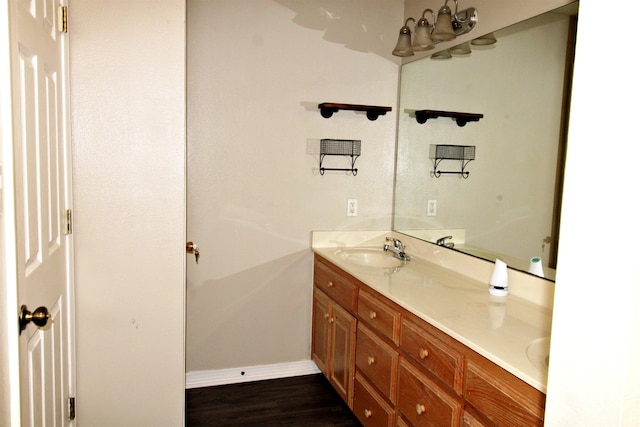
(298, 401)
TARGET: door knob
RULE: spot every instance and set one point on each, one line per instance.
(192, 248)
(39, 317)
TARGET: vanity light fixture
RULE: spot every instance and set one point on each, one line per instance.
(422, 39)
(403, 47)
(447, 26)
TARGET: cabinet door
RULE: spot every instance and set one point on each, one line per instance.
(342, 352)
(321, 331)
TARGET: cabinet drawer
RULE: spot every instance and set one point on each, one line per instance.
(379, 316)
(422, 402)
(441, 360)
(369, 407)
(505, 401)
(339, 288)
(377, 361)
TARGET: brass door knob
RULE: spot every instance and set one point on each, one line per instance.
(39, 317)
(192, 248)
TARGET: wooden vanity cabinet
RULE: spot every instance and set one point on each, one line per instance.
(395, 369)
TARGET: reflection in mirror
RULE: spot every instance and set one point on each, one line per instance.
(508, 205)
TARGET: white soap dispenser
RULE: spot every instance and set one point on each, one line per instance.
(499, 282)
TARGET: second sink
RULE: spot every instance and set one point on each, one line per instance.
(538, 352)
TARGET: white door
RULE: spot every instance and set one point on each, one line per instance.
(42, 197)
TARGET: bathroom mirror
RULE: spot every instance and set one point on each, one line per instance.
(508, 205)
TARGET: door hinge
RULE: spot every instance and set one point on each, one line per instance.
(62, 19)
(68, 219)
(72, 408)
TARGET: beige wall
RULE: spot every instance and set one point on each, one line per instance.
(128, 133)
(256, 72)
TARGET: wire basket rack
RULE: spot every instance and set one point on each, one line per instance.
(340, 147)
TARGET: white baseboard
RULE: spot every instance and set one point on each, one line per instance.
(195, 379)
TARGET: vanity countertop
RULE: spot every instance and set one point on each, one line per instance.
(498, 328)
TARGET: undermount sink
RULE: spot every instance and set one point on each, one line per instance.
(538, 352)
(370, 257)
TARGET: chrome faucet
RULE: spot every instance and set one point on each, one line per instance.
(397, 249)
(440, 242)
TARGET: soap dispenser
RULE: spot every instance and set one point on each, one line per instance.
(499, 282)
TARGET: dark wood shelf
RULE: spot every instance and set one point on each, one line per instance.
(461, 118)
(373, 112)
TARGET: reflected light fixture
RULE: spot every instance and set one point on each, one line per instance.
(461, 49)
(446, 26)
(485, 40)
(444, 54)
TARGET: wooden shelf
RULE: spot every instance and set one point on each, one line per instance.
(461, 118)
(373, 112)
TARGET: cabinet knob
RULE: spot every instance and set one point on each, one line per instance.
(419, 409)
(326, 315)
(371, 360)
(423, 353)
(372, 314)
(330, 284)
(367, 413)
(331, 319)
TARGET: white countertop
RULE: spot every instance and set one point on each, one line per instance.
(498, 328)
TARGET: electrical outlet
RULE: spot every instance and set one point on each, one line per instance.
(352, 207)
(432, 207)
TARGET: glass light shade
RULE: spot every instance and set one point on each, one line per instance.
(461, 49)
(403, 48)
(487, 39)
(445, 54)
(444, 27)
(422, 38)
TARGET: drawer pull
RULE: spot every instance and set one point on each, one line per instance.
(367, 413)
(371, 360)
(419, 409)
(372, 314)
(423, 353)
(330, 284)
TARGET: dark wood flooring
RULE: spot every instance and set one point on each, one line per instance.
(298, 401)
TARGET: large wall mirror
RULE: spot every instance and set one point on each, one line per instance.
(508, 206)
